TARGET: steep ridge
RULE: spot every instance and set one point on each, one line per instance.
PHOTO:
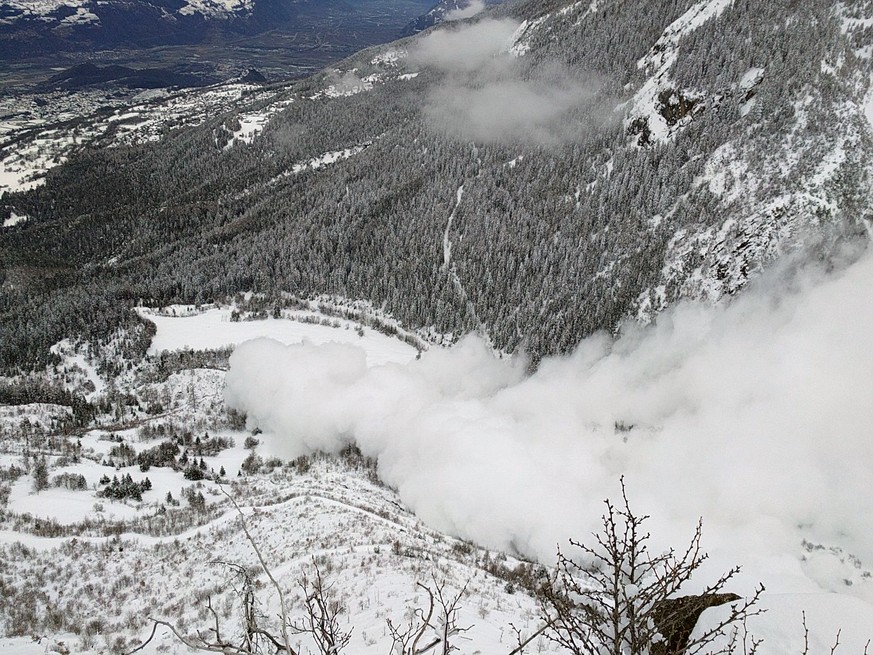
(614, 156)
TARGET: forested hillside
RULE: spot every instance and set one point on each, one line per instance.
(536, 173)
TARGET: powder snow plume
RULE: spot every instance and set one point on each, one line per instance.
(754, 415)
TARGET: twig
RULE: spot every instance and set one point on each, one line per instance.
(522, 644)
(282, 605)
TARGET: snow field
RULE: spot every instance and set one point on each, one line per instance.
(213, 329)
(68, 507)
(369, 550)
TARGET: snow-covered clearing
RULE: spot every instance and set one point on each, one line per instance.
(345, 84)
(64, 506)
(251, 125)
(213, 329)
(328, 158)
(14, 219)
(16, 176)
(69, 507)
(389, 58)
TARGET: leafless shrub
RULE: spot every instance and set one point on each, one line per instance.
(835, 645)
(440, 618)
(617, 598)
(321, 617)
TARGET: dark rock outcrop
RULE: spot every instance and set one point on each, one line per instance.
(675, 619)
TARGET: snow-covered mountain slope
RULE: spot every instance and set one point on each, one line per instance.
(604, 176)
(774, 180)
(135, 522)
(324, 513)
(536, 174)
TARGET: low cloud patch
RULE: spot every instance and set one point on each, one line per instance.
(488, 95)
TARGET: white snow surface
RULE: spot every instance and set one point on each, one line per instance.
(327, 159)
(213, 329)
(14, 219)
(348, 83)
(64, 506)
(216, 8)
(519, 42)
(389, 57)
(751, 77)
(252, 124)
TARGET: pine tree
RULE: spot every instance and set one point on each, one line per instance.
(40, 475)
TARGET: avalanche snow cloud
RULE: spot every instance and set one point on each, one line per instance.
(488, 95)
(755, 415)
